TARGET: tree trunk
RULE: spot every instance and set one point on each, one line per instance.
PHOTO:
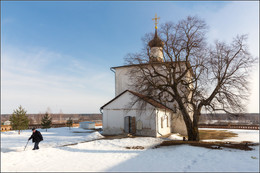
(19, 132)
(193, 130)
(193, 133)
(191, 125)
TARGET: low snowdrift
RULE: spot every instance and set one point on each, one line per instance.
(175, 136)
(93, 136)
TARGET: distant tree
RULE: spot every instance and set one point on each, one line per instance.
(19, 119)
(69, 122)
(46, 121)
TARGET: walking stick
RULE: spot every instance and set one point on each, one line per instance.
(26, 145)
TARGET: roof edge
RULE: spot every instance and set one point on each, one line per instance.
(141, 97)
(130, 65)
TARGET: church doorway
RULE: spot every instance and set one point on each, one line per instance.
(129, 125)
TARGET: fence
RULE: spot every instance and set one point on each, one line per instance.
(249, 127)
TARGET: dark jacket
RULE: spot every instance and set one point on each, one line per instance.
(36, 136)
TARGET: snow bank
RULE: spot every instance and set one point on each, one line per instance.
(93, 136)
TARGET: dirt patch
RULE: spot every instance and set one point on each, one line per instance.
(135, 147)
(83, 131)
(68, 145)
(212, 145)
(119, 136)
(115, 136)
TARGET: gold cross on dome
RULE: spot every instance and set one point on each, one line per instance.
(155, 20)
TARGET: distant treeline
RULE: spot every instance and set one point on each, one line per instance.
(225, 119)
(221, 119)
(58, 118)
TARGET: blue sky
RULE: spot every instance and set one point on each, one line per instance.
(57, 55)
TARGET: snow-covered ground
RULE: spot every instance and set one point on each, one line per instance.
(112, 155)
(54, 137)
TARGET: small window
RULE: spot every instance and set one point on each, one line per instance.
(167, 121)
(161, 122)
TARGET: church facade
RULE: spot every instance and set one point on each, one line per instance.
(123, 114)
(119, 117)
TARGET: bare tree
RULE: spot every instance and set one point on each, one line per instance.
(31, 121)
(193, 74)
(61, 115)
(38, 117)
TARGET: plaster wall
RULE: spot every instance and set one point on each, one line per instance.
(122, 80)
(163, 126)
(178, 124)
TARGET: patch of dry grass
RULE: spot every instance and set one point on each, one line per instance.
(216, 134)
(212, 134)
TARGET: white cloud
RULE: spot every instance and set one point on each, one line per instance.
(38, 79)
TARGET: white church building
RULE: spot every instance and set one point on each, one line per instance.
(122, 115)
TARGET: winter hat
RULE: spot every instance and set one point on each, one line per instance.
(33, 129)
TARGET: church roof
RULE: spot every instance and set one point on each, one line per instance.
(156, 41)
(144, 98)
(150, 100)
(154, 63)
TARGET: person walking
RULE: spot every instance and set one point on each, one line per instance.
(36, 138)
